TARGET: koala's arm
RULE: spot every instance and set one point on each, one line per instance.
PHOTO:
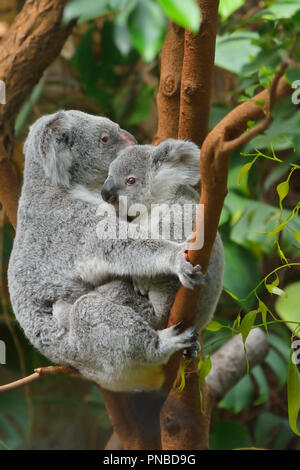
(137, 257)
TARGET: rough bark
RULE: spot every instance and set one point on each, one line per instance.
(31, 43)
(197, 75)
(168, 97)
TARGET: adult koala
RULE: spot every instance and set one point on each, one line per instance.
(67, 156)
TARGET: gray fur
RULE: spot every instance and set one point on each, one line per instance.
(65, 160)
(165, 174)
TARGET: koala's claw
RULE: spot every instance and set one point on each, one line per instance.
(172, 339)
(179, 325)
(192, 351)
(191, 276)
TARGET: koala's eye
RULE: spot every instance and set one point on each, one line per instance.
(104, 137)
(130, 180)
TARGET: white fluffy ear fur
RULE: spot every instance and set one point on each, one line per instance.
(47, 141)
(176, 162)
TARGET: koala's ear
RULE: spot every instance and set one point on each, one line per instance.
(47, 142)
(177, 161)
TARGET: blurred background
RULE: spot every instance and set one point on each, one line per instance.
(110, 66)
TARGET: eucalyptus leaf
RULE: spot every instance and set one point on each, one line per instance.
(279, 367)
(240, 396)
(85, 9)
(147, 27)
(234, 51)
(293, 390)
(288, 306)
(227, 7)
(185, 13)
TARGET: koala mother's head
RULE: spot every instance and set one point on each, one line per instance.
(148, 174)
(74, 147)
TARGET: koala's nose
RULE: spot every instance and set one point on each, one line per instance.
(110, 191)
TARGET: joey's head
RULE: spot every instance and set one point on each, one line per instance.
(72, 147)
(147, 174)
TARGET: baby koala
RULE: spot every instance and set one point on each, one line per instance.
(152, 186)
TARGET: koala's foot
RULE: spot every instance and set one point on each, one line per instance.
(192, 351)
(172, 339)
(61, 311)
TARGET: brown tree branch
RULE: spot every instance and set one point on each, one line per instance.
(30, 44)
(39, 373)
(197, 75)
(168, 97)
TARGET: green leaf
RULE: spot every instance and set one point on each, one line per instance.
(214, 326)
(279, 367)
(260, 102)
(245, 267)
(234, 51)
(263, 309)
(281, 254)
(85, 9)
(186, 14)
(282, 9)
(240, 396)
(204, 368)
(296, 235)
(122, 38)
(228, 435)
(247, 323)
(14, 418)
(262, 383)
(227, 7)
(268, 424)
(147, 27)
(288, 306)
(182, 374)
(282, 190)
(280, 346)
(293, 390)
(142, 106)
(244, 170)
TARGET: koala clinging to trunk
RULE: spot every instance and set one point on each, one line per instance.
(107, 336)
(162, 178)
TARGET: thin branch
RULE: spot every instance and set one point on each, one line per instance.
(41, 372)
(243, 139)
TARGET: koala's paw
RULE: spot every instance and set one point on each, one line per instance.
(172, 339)
(190, 276)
